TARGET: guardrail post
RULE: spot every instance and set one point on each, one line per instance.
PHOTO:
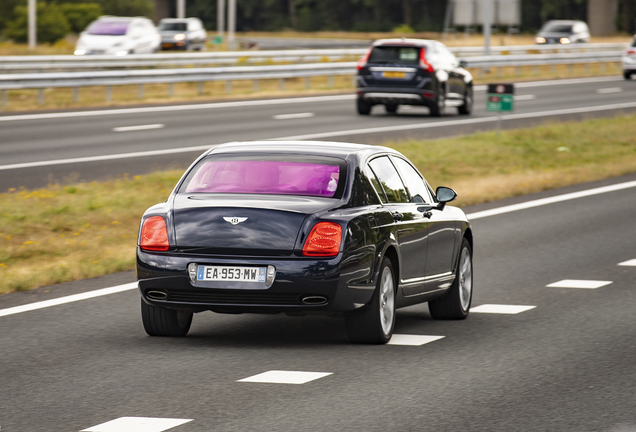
(109, 93)
(536, 69)
(330, 80)
(170, 89)
(518, 70)
(281, 83)
(4, 98)
(570, 68)
(307, 82)
(140, 91)
(603, 67)
(40, 96)
(587, 68)
(255, 85)
(553, 69)
(75, 94)
(500, 71)
(228, 86)
(200, 87)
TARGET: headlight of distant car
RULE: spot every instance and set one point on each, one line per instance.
(540, 40)
(79, 52)
(179, 36)
(564, 41)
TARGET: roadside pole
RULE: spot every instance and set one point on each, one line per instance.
(487, 11)
(231, 24)
(500, 97)
(32, 24)
(220, 17)
(180, 8)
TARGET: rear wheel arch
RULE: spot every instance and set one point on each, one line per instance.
(391, 254)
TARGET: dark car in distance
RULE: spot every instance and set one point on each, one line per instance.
(412, 72)
(303, 227)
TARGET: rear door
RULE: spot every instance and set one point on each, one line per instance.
(410, 226)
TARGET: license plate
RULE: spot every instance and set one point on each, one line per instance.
(234, 274)
(166, 45)
(394, 74)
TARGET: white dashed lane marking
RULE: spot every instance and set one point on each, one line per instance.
(412, 340)
(500, 309)
(138, 128)
(285, 377)
(525, 97)
(137, 424)
(293, 116)
(630, 263)
(609, 90)
(585, 284)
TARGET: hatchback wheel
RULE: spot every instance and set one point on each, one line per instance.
(160, 321)
(467, 107)
(364, 108)
(627, 75)
(391, 108)
(456, 302)
(440, 103)
(374, 323)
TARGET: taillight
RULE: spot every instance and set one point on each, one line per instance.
(154, 234)
(425, 64)
(323, 240)
(631, 51)
(363, 61)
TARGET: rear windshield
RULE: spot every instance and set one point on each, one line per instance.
(557, 28)
(395, 54)
(280, 177)
(108, 28)
(173, 26)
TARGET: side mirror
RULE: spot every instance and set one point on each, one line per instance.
(445, 195)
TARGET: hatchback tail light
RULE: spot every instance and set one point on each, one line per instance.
(323, 240)
(154, 234)
(424, 63)
(631, 51)
(363, 61)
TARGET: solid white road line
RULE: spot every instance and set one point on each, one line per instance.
(293, 116)
(500, 309)
(412, 340)
(609, 90)
(67, 299)
(584, 284)
(630, 263)
(138, 128)
(137, 424)
(285, 377)
(525, 97)
(551, 200)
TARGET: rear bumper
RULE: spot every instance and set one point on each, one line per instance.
(300, 285)
(393, 95)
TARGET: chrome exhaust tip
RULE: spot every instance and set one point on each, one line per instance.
(314, 300)
(157, 295)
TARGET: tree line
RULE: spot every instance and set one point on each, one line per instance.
(58, 17)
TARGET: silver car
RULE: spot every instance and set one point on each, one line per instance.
(182, 34)
(563, 32)
(629, 60)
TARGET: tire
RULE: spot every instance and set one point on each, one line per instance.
(440, 103)
(455, 304)
(363, 107)
(391, 108)
(374, 323)
(160, 321)
(627, 75)
(467, 107)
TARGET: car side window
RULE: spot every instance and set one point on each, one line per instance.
(389, 180)
(414, 182)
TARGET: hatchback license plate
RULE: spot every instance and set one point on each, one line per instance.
(394, 75)
(236, 274)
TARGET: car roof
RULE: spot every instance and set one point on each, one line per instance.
(309, 148)
(404, 41)
(563, 22)
(178, 20)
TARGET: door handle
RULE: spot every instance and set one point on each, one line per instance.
(397, 216)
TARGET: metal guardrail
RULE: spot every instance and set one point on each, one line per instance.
(255, 73)
(15, 64)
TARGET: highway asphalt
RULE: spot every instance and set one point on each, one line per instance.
(41, 148)
(565, 363)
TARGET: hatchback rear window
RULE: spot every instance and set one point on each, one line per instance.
(264, 177)
(557, 28)
(395, 54)
(108, 28)
(173, 26)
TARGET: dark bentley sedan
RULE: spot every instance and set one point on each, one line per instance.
(298, 227)
(412, 72)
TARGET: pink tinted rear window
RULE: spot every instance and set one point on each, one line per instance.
(266, 177)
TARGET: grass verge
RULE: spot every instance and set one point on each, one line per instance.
(63, 233)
